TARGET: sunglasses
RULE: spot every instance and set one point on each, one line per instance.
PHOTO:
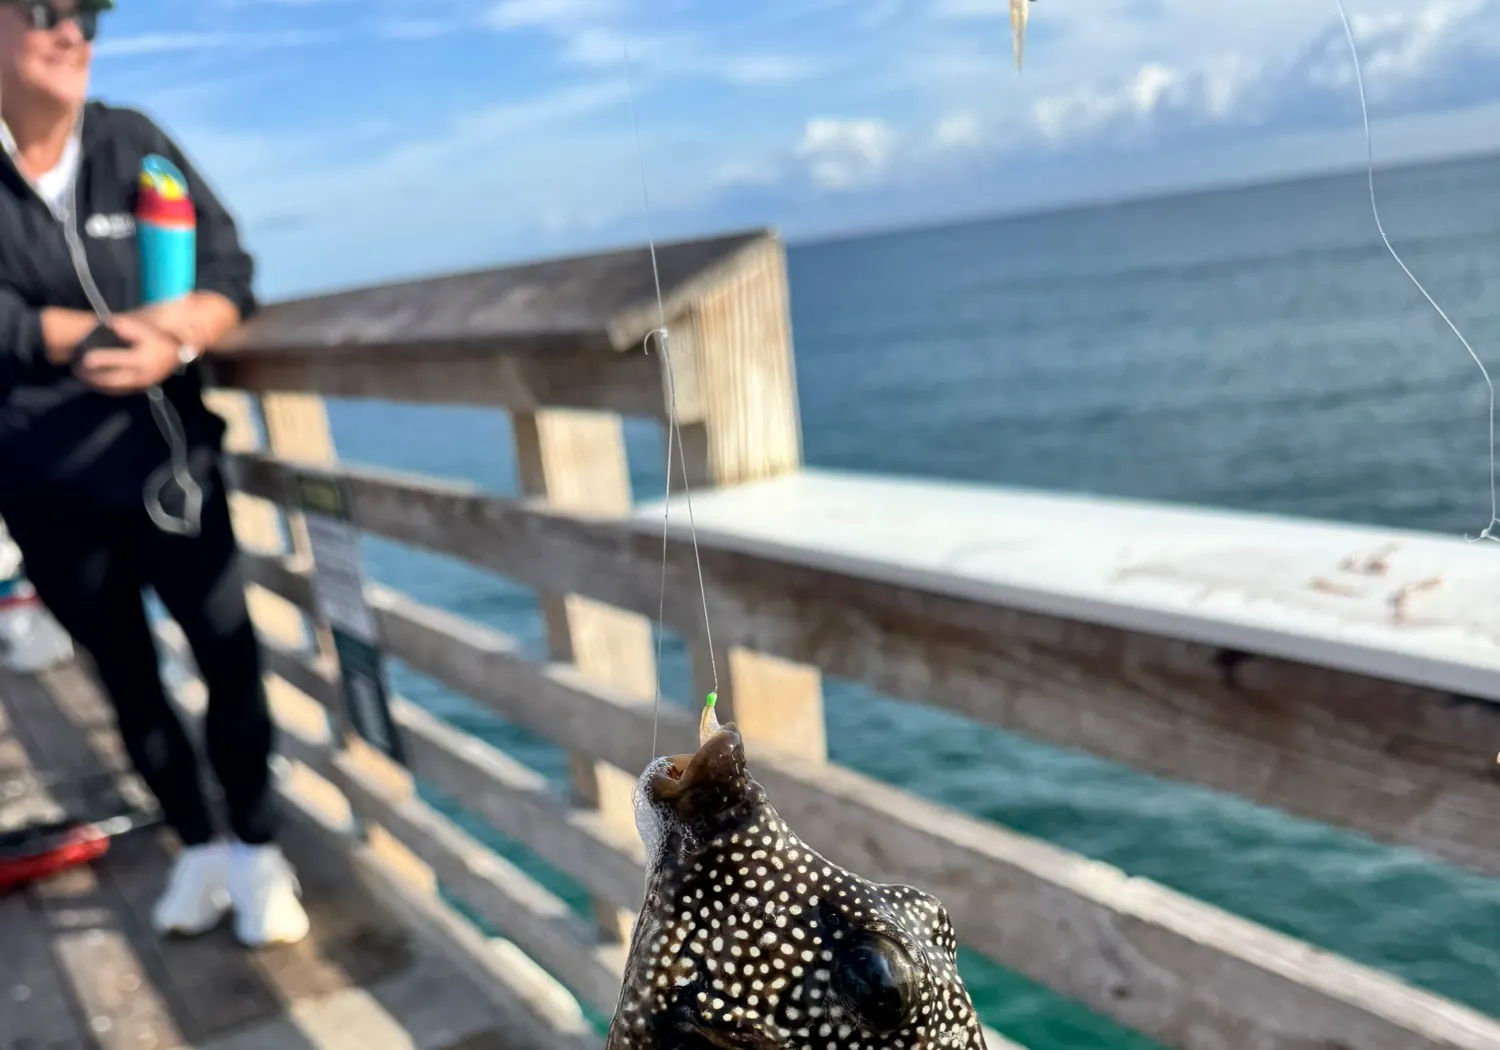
(43, 16)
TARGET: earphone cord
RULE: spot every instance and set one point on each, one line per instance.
(177, 468)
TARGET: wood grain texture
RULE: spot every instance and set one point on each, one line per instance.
(521, 909)
(566, 333)
(604, 302)
(576, 461)
(735, 350)
(628, 382)
(538, 1013)
(1403, 764)
(737, 363)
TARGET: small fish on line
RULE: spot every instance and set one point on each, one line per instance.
(1018, 11)
(748, 938)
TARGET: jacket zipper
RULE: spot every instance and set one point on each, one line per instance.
(72, 236)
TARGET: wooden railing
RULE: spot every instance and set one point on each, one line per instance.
(559, 345)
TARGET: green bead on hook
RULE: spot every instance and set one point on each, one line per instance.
(708, 722)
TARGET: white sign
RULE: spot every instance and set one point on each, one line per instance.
(340, 581)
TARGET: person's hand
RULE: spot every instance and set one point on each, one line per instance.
(175, 318)
(149, 356)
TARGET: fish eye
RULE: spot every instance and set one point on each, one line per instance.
(878, 979)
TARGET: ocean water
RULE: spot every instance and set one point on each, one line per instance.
(1254, 348)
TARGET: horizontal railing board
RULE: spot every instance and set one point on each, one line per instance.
(515, 799)
(520, 804)
(1181, 971)
(1407, 606)
(630, 384)
(1403, 764)
(538, 921)
(607, 301)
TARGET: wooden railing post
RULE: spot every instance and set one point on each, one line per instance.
(735, 362)
(576, 461)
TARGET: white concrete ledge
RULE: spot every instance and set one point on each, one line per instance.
(1410, 607)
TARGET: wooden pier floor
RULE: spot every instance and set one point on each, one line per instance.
(80, 967)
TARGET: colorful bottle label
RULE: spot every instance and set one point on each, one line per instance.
(166, 231)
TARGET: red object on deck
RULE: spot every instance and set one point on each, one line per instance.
(34, 854)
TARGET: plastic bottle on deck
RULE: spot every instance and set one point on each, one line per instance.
(30, 639)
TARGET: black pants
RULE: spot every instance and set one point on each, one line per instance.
(90, 569)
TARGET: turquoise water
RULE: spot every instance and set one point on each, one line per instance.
(1252, 349)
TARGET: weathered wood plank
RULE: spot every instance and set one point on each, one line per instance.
(628, 383)
(36, 1007)
(737, 359)
(539, 1014)
(211, 985)
(521, 804)
(576, 462)
(314, 675)
(553, 334)
(733, 357)
(105, 969)
(539, 922)
(1404, 764)
(1181, 971)
(604, 302)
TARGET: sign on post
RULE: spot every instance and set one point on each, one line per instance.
(340, 586)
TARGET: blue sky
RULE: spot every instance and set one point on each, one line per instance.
(363, 140)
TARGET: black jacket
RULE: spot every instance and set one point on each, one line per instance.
(59, 440)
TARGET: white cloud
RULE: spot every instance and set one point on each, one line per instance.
(1396, 45)
(166, 43)
(1170, 92)
(1209, 94)
(842, 154)
(767, 69)
(957, 131)
(593, 33)
(964, 9)
(415, 28)
(510, 14)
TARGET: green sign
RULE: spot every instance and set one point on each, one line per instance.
(340, 585)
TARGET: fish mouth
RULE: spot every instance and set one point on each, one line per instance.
(718, 763)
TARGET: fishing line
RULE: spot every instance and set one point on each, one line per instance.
(1489, 532)
(674, 433)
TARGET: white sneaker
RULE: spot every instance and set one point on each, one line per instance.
(266, 896)
(197, 894)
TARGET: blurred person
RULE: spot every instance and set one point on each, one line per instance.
(110, 478)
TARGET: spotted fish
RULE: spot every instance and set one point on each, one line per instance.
(751, 940)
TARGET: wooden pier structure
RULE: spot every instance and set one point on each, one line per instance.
(1346, 675)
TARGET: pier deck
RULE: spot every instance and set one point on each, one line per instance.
(81, 968)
